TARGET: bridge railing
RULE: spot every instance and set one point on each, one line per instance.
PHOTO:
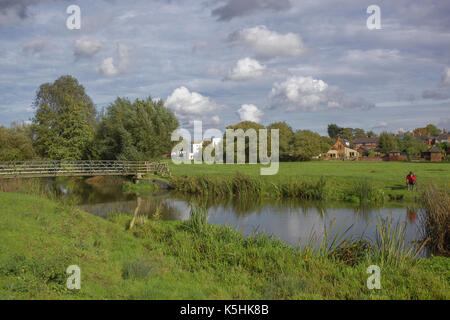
(48, 168)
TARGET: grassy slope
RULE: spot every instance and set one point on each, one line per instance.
(387, 175)
(167, 260)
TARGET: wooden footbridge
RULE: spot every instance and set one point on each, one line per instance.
(84, 168)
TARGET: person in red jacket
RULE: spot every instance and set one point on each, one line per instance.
(411, 180)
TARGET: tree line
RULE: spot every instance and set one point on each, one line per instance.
(66, 125)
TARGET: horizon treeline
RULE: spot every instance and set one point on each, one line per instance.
(66, 126)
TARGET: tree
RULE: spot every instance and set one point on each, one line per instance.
(433, 130)
(139, 130)
(325, 143)
(334, 131)
(286, 135)
(64, 123)
(16, 143)
(429, 130)
(359, 133)
(370, 134)
(386, 143)
(246, 125)
(411, 145)
(307, 144)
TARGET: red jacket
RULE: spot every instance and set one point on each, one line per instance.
(411, 179)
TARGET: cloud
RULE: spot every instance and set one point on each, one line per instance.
(238, 8)
(250, 112)
(445, 77)
(380, 125)
(246, 69)
(435, 94)
(124, 61)
(189, 105)
(308, 94)
(86, 48)
(268, 44)
(107, 67)
(36, 45)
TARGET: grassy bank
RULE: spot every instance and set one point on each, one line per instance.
(349, 181)
(40, 238)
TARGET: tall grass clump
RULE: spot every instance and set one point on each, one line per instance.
(367, 193)
(301, 189)
(198, 220)
(391, 246)
(31, 186)
(325, 244)
(435, 220)
(239, 185)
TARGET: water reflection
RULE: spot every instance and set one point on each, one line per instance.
(289, 220)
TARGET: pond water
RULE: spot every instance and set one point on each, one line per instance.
(290, 221)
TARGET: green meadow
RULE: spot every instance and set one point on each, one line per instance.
(341, 176)
(40, 238)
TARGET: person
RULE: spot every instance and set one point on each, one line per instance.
(411, 180)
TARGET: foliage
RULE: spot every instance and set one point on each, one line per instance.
(435, 220)
(306, 145)
(16, 143)
(334, 131)
(139, 130)
(245, 125)
(64, 124)
(386, 143)
(411, 145)
(286, 135)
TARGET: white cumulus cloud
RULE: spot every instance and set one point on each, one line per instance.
(86, 48)
(189, 105)
(268, 44)
(246, 69)
(308, 94)
(108, 67)
(250, 112)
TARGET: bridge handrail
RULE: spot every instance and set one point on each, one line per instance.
(79, 167)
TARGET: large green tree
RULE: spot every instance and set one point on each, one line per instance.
(411, 145)
(307, 144)
(387, 142)
(64, 123)
(139, 130)
(334, 130)
(286, 135)
(245, 125)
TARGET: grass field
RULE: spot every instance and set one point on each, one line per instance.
(40, 238)
(340, 176)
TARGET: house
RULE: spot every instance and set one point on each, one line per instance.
(340, 150)
(429, 141)
(366, 143)
(444, 137)
(394, 155)
(196, 148)
(433, 155)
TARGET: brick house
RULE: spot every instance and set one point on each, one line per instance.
(433, 155)
(340, 151)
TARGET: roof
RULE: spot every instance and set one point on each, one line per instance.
(365, 140)
(435, 149)
(443, 136)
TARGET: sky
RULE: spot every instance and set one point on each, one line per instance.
(309, 63)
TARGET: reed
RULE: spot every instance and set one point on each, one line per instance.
(198, 220)
(391, 246)
(325, 244)
(434, 220)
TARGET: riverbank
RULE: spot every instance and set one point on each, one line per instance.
(374, 182)
(40, 238)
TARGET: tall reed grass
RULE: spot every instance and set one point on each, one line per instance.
(434, 220)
